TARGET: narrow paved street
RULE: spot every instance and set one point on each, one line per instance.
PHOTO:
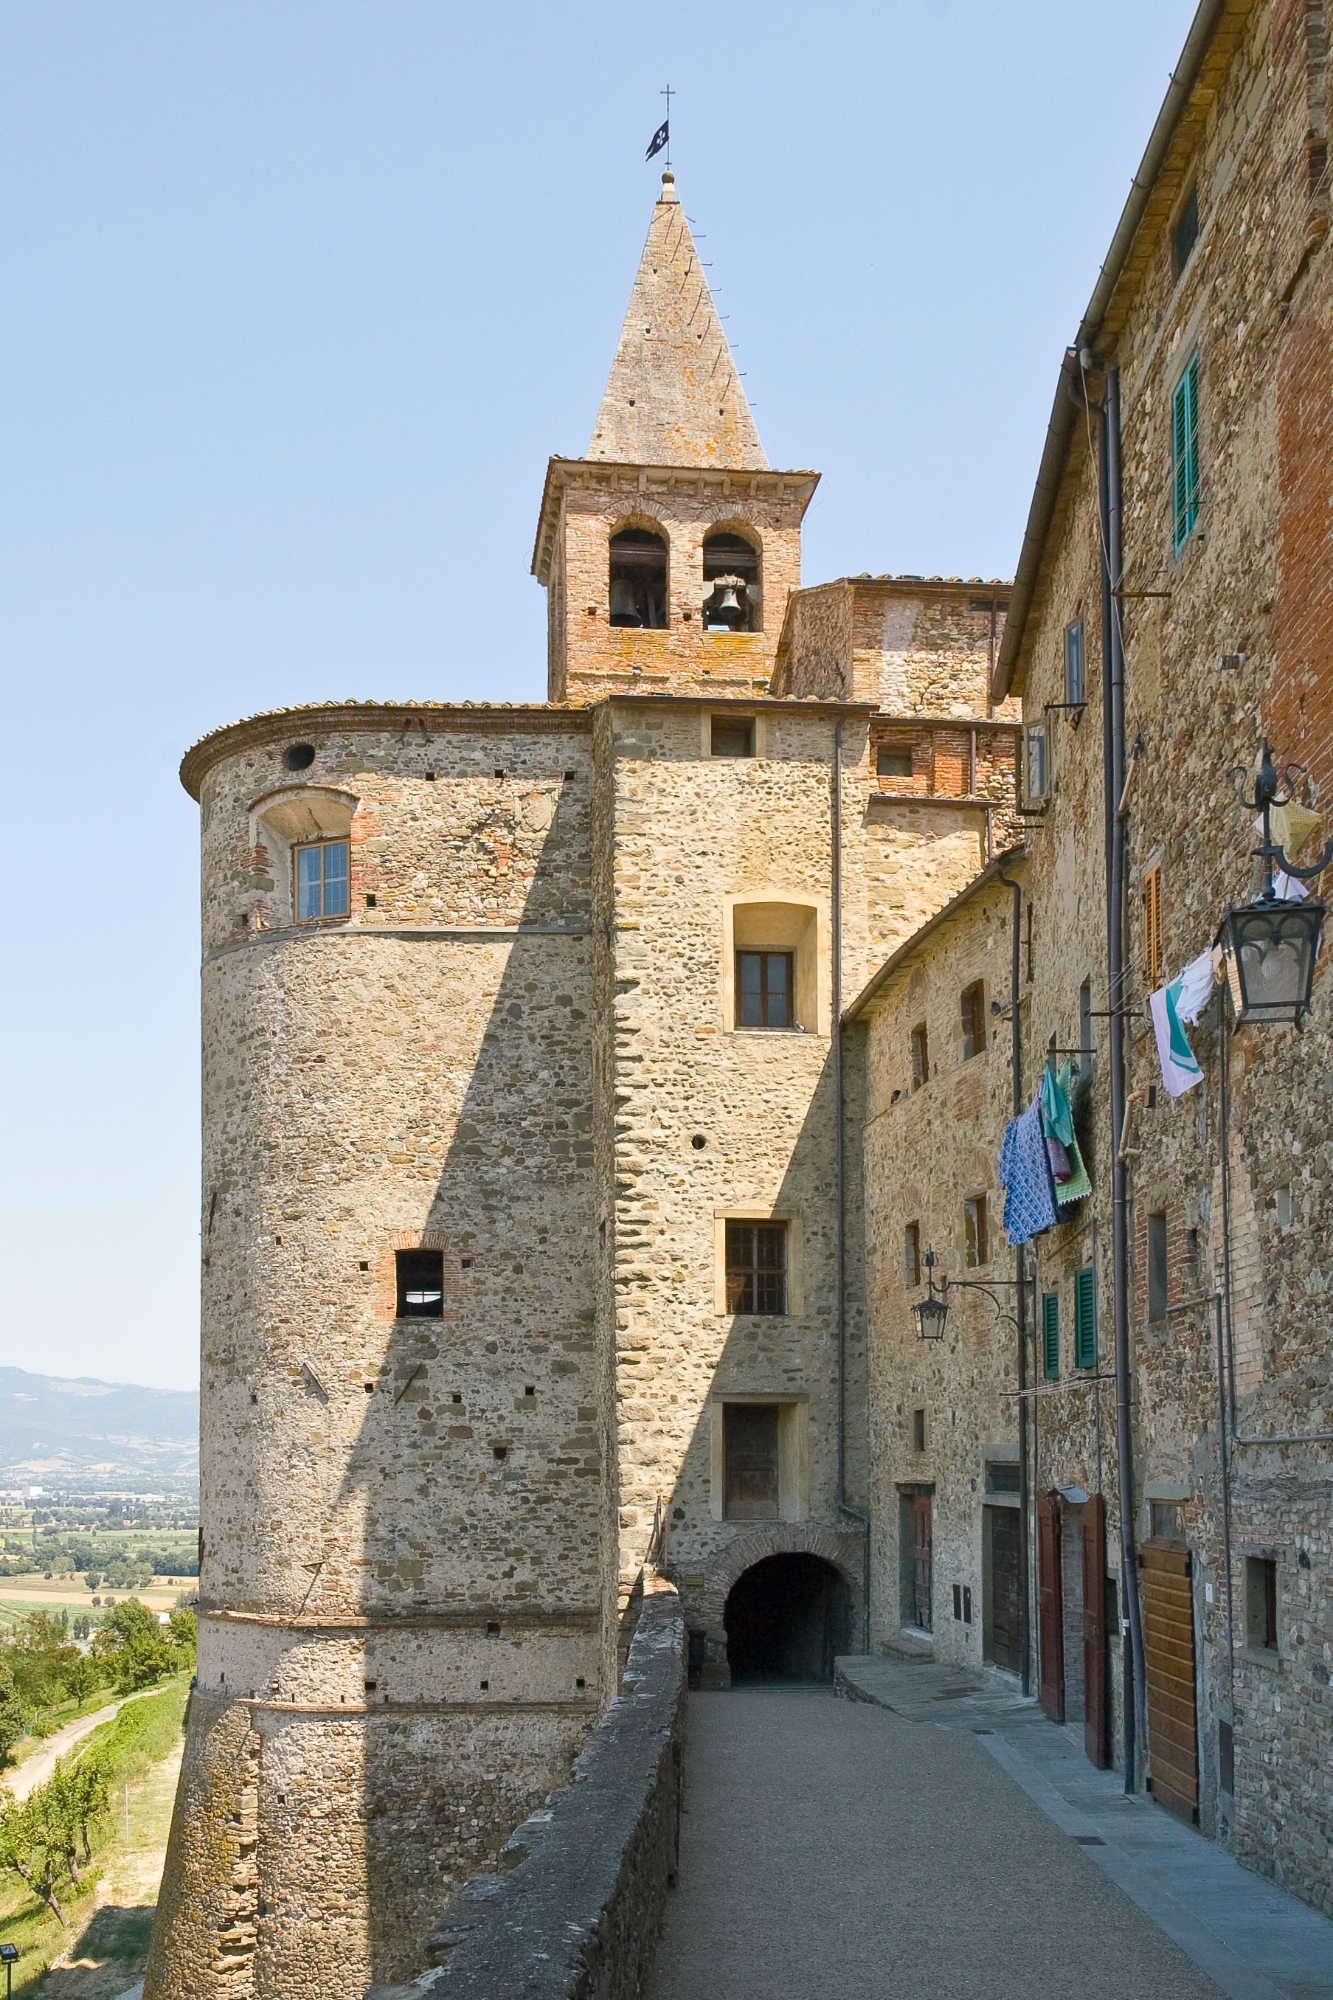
(833, 1850)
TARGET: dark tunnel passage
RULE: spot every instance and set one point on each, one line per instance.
(786, 1619)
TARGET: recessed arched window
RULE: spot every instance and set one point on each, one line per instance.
(638, 579)
(733, 587)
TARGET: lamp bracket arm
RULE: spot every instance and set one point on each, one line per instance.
(1304, 874)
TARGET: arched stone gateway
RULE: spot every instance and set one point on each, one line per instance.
(775, 1604)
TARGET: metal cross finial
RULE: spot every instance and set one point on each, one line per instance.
(669, 93)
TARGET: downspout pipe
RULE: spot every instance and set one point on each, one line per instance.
(1020, 1292)
(1113, 751)
(840, 1168)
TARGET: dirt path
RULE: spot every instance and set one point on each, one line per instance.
(35, 1770)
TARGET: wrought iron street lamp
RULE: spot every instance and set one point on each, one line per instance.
(932, 1311)
(1271, 944)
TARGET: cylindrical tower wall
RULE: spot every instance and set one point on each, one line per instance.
(407, 1543)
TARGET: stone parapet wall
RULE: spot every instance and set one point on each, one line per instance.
(578, 1916)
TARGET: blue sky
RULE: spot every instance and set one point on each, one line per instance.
(297, 300)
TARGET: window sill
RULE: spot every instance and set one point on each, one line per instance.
(1261, 1656)
(791, 1034)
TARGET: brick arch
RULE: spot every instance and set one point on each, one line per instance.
(782, 1538)
(639, 517)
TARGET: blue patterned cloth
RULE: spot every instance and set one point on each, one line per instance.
(1025, 1175)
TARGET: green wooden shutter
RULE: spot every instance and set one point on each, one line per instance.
(1085, 1318)
(1050, 1336)
(1185, 454)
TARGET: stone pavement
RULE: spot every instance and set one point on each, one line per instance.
(1252, 1939)
(834, 1850)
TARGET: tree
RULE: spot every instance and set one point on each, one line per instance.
(78, 1794)
(32, 1846)
(184, 1629)
(12, 1713)
(132, 1642)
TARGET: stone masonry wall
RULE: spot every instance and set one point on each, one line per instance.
(908, 645)
(683, 839)
(1252, 304)
(407, 1584)
(576, 1915)
(926, 1150)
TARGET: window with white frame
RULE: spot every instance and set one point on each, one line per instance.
(321, 880)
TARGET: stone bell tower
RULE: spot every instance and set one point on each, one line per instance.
(670, 549)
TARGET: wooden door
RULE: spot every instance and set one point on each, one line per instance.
(1094, 1632)
(1050, 1599)
(1002, 1639)
(921, 1558)
(750, 1441)
(1168, 1645)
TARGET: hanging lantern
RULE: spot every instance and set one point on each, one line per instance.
(1272, 943)
(932, 1311)
(1271, 948)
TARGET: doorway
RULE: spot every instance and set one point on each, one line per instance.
(916, 1512)
(1002, 1620)
(787, 1618)
(1168, 1645)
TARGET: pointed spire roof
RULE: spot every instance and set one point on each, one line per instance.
(674, 397)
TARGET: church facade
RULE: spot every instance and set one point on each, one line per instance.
(531, 1214)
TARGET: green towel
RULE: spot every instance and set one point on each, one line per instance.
(1078, 1185)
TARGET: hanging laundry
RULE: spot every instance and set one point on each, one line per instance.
(1078, 1185)
(1183, 999)
(1288, 888)
(1058, 1125)
(1056, 1115)
(1196, 984)
(1025, 1175)
(1292, 826)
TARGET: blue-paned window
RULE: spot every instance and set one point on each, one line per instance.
(321, 880)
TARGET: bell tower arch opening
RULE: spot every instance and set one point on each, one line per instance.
(733, 584)
(638, 580)
(787, 1618)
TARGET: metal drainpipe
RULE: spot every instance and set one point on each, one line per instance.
(1113, 740)
(1024, 1476)
(839, 1168)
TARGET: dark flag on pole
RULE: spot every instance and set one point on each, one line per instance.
(659, 139)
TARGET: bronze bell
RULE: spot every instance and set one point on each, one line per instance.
(624, 611)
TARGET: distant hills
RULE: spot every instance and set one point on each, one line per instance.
(90, 1436)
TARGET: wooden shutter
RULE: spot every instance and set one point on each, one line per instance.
(1050, 1336)
(750, 1441)
(1168, 1644)
(1185, 454)
(1094, 1632)
(1085, 1318)
(1050, 1597)
(1152, 927)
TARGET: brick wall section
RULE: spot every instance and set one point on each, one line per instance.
(591, 658)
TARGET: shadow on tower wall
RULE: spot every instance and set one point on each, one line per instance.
(427, 1500)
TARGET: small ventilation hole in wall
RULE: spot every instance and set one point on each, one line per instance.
(299, 756)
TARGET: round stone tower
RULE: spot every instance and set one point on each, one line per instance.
(407, 1583)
